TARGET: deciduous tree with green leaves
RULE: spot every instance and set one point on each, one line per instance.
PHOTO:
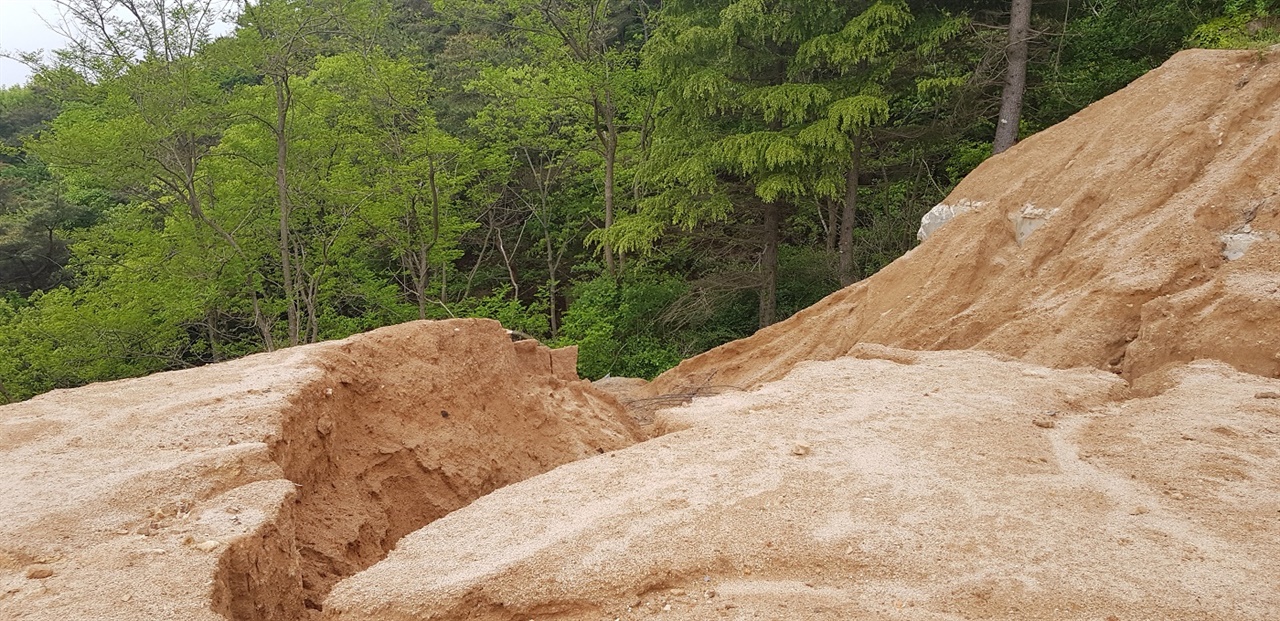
(586, 57)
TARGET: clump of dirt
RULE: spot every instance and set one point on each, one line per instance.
(1143, 231)
(245, 490)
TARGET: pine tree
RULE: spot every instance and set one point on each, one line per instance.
(766, 102)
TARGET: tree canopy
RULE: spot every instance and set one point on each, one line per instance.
(643, 179)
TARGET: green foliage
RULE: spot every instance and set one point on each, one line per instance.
(590, 173)
(36, 214)
(513, 313)
(614, 325)
(1241, 24)
(807, 276)
(760, 94)
(1105, 47)
(130, 317)
(966, 157)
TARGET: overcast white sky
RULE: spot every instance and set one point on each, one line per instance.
(21, 30)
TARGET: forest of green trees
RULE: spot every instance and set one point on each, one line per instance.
(646, 179)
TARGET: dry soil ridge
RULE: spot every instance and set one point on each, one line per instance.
(1136, 238)
(245, 490)
(1130, 206)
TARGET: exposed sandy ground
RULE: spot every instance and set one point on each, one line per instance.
(249, 488)
(1126, 273)
(854, 481)
(872, 489)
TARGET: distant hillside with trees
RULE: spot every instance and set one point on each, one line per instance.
(643, 179)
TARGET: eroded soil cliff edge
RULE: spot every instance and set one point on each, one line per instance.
(245, 490)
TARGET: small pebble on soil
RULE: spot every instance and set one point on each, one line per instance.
(39, 572)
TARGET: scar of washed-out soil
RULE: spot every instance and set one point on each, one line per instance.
(1106, 449)
(245, 490)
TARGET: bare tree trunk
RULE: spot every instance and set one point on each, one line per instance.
(444, 283)
(1015, 79)
(420, 261)
(282, 196)
(264, 326)
(850, 215)
(832, 217)
(506, 259)
(420, 292)
(197, 212)
(215, 347)
(412, 258)
(769, 265)
(552, 263)
(606, 126)
(610, 161)
(310, 296)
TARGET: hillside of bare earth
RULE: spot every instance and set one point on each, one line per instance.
(1142, 231)
(245, 490)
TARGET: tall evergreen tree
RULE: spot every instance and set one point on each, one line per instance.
(766, 102)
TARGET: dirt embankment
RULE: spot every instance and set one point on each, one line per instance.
(245, 490)
(1142, 231)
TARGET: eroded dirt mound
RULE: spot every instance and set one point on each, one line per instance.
(1142, 231)
(906, 486)
(245, 490)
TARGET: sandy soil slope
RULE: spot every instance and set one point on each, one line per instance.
(245, 490)
(1102, 241)
(929, 486)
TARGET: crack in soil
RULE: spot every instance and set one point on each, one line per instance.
(374, 457)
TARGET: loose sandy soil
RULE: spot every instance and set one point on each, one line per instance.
(1126, 271)
(245, 490)
(1062, 405)
(925, 486)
